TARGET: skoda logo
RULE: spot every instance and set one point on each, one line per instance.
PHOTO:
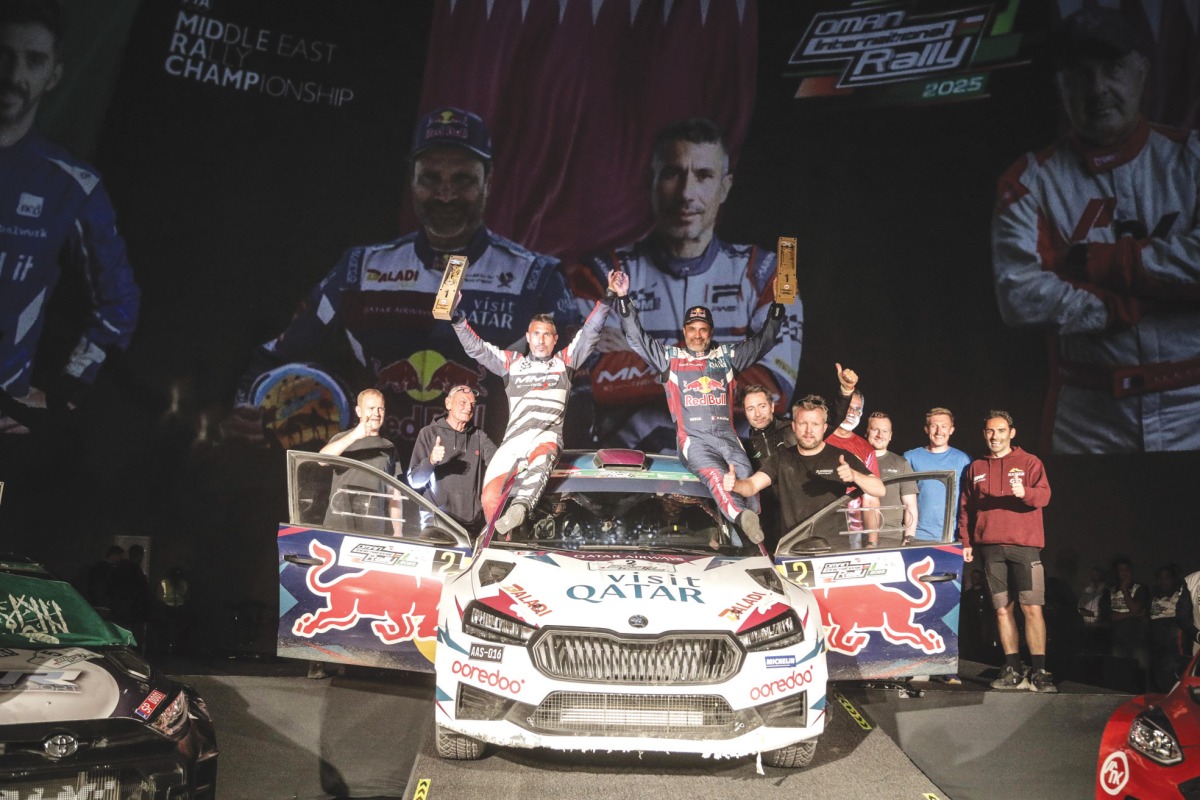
(61, 745)
(638, 621)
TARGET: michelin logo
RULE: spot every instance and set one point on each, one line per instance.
(779, 662)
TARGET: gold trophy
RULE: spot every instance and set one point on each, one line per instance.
(452, 276)
(785, 273)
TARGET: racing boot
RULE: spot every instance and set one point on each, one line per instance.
(748, 522)
(511, 519)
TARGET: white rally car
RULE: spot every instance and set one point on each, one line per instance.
(624, 614)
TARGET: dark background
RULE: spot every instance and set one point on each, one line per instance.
(234, 206)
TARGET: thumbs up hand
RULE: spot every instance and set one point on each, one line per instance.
(844, 472)
(438, 452)
(729, 479)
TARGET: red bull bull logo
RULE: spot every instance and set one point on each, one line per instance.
(887, 611)
(403, 607)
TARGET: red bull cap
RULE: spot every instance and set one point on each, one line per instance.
(452, 126)
(698, 313)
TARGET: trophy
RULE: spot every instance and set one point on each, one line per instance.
(443, 303)
(785, 273)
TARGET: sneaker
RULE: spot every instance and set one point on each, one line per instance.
(748, 522)
(317, 671)
(511, 518)
(1011, 680)
(1042, 681)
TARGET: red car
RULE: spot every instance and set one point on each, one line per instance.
(1151, 745)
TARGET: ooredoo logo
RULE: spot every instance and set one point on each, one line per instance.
(798, 679)
(1114, 773)
(485, 677)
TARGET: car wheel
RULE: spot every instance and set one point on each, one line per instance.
(792, 756)
(456, 746)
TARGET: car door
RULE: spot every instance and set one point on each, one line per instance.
(889, 611)
(362, 560)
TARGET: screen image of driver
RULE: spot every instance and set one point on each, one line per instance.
(698, 379)
(680, 264)
(537, 386)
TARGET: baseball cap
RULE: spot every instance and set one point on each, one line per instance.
(452, 126)
(462, 387)
(698, 313)
(1093, 32)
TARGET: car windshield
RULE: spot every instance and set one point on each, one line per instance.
(35, 612)
(625, 521)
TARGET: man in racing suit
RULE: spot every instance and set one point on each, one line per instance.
(538, 386)
(700, 384)
(55, 220)
(681, 264)
(374, 307)
(1096, 238)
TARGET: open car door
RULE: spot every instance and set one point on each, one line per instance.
(362, 560)
(889, 611)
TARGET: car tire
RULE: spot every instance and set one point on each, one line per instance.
(455, 746)
(793, 756)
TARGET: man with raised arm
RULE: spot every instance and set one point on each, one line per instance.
(699, 381)
(537, 386)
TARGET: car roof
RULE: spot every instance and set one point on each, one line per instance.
(621, 470)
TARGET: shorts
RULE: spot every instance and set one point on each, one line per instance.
(1024, 564)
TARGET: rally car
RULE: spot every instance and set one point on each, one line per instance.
(625, 613)
(81, 713)
(1151, 745)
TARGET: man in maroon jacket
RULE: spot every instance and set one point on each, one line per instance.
(1000, 513)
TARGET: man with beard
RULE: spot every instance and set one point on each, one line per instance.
(371, 314)
(1000, 516)
(679, 265)
(449, 459)
(56, 221)
(1095, 239)
(699, 380)
(810, 475)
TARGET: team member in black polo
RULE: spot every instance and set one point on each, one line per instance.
(810, 476)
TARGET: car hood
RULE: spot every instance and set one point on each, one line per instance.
(75, 683)
(640, 593)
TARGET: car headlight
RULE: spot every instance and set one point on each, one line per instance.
(780, 632)
(767, 578)
(1152, 735)
(172, 718)
(492, 571)
(493, 626)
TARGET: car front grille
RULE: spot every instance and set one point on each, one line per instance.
(660, 716)
(672, 659)
(94, 784)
